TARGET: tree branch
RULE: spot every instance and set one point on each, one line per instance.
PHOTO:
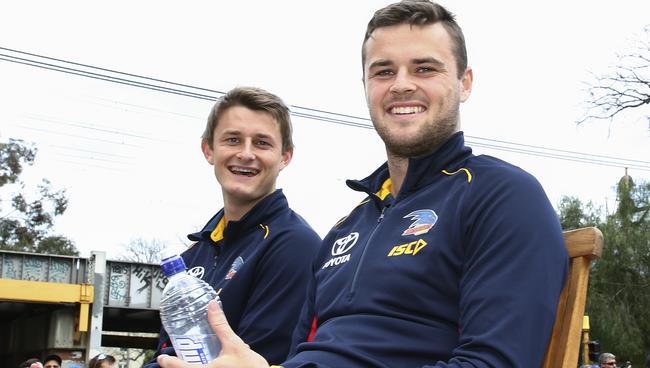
(626, 87)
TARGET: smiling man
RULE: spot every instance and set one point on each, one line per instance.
(452, 259)
(256, 252)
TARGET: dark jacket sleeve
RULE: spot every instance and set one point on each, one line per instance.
(272, 309)
(515, 268)
(307, 318)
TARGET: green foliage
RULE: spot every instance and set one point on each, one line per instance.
(574, 215)
(57, 244)
(25, 223)
(619, 287)
(13, 156)
(148, 355)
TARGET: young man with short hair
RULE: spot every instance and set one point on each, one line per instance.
(256, 252)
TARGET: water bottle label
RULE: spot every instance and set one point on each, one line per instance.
(191, 349)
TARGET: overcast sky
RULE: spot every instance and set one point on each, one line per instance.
(130, 158)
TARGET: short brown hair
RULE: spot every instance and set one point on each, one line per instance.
(419, 13)
(255, 99)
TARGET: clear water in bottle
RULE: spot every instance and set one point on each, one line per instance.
(184, 313)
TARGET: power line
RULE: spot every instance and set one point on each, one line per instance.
(99, 129)
(90, 151)
(95, 159)
(561, 157)
(112, 71)
(220, 93)
(558, 150)
(85, 165)
(77, 136)
(306, 112)
(133, 83)
(110, 102)
(106, 78)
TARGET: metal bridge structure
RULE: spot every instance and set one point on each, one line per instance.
(74, 305)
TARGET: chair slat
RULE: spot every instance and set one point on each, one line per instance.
(583, 246)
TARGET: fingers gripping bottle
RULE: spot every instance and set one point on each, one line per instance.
(184, 313)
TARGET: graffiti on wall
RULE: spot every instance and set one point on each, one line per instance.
(118, 286)
(60, 271)
(140, 285)
(35, 269)
(160, 281)
(11, 267)
(135, 285)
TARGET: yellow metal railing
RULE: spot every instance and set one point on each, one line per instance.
(50, 292)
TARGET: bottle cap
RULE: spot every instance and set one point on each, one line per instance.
(172, 265)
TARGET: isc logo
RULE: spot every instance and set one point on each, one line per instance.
(411, 248)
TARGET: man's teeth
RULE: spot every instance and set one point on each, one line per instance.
(244, 171)
(406, 110)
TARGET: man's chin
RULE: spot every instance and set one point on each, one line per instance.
(239, 193)
(409, 147)
(245, 195)
(416, 145)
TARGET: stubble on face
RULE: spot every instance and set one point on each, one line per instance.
(429, 137)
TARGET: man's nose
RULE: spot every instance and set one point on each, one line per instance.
(402, 83)
(246, 153)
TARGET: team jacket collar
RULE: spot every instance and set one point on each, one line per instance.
(262, 213)
(422, 170)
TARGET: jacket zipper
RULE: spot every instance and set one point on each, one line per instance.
(363, 254)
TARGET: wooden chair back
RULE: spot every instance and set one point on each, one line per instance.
(584, 245)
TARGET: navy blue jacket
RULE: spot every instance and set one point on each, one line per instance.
(260, 269)
(463, 268)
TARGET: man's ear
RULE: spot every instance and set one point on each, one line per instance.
(466, 84)
(286, 157)
(207, 151)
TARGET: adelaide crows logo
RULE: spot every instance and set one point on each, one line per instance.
(236, 265)
(423, 221)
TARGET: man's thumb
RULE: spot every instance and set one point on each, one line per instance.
(166, 361)
(220, 326)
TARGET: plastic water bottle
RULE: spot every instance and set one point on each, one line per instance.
(183, 313)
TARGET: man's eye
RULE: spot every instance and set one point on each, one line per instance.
(263, 143)
(384, 73)
(232, 140)
(425, 69)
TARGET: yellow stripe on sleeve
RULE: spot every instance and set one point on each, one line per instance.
(466, 171)
(266, 229)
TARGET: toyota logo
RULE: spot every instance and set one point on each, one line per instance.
(343, 245)
(196, 272)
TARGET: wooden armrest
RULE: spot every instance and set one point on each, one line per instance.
(586, 241)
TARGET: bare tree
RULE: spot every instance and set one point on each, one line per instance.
(625, 87)
(143, 250)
